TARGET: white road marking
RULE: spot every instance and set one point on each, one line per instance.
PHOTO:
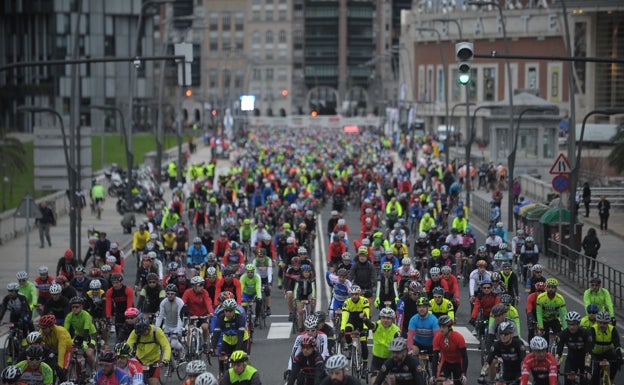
(279, 330)
(467, 334)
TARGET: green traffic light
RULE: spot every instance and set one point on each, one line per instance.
(463, 79)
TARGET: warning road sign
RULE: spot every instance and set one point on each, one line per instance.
(561, 165)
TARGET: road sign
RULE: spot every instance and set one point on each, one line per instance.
(561, 183)
(27, 208)
(561, 165)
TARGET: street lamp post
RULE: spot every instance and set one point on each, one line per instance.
(509, 80)
(469, 140)
(446, 101)
(511, 159)
(72, 173)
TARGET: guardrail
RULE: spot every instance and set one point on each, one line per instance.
(576, 267)
(480, 208)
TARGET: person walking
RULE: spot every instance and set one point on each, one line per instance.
(591, 245)
(586, 198)
(603, 211)
(44, 223)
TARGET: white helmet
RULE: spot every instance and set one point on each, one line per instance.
(197, 280)
(206, 378)
(387, 312)
(55, 288)
(434, 271)
(195, 367)
(337, 361)
(311, 322)
(21, 275)
(43, 270)
(111, 259)
(95, 284)
(538, 343)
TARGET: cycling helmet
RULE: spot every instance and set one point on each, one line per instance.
(211, 272)
(435, 252)
(132, 312)
(398, 344)
(197, 281)
(81, 269)
(172, 265)
(21, 275)
(445, 320)
(406, 261)
(234, 245)
(34, 351)
(112, 259)
(499, 225)
(250, 267)
(47, 321)
(55, 288)
(335, 362)
(422, 235)
(239, 356)
(502, 246)
(387, 312)
(439, 290)
(506, 299)
(573, 316)
(434, 271)
(106, 269)
(540, 286)
(308, 341)
(506, 265)
(414, 287)
(592, 308)
(552, 282)
(13, 286)
(445, 269)
(116, 277)
(171, 288)
(366, 242)
(43, 270)
(486, 282)
(363, 250)
(122, 349)
(529, 239)
(181, 271)
(499, 256)
(11, 374)
(229, 304)
(386, 266)
(306, 268)
(355, 289)
(445, 249)
(519, 232)
(422, 301)
(311, 323)
(206, 378)
(295, 261)
(346, 257)
(506, 327)
(141, 325)
(342, 272)
(197, 240)
(603, 316)
(321, 315)
(482, 249)
(225, 295)
(34, 337)
(152, 255)
(196, 367)
(537, 267)
(75, 301)
(211, 257)
(538, 343)
(495, 277)
(498, 309)
(152, 277)
(108, 356)
(302, 250)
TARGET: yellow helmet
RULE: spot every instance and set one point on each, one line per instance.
(239, 356)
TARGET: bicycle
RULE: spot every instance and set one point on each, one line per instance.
(425, 365)
(358, 369)
(178, 361)
(262, 317)
(605, 375)
(96, 208)
(195, 340)
(575, 378)
(224, 365)
(12, 343)
(304, 312)
(77, 368)
(249, 310)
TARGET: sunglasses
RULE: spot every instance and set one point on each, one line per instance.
(33, 358)
(486, 287)
(307, 347)
(105, 364)
(171, 293)
(75, 307)
(150, 282)
(21, 280)
(506, 334)
(228, 310)
(592, 312)
(437, 296)
(130, 317)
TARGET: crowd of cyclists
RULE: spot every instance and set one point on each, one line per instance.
(212, 258)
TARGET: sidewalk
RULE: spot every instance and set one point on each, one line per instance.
(14, 251)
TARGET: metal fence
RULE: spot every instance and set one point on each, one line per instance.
(574, 266)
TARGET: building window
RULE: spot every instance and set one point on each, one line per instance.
(269, 15)
(227, 79)
(269, 37)
(240, 21)
(269, 74)
(554, 82)
(109, 45)
(240, 41)
(298, 36)
(282, 14)
(282, 54)
(531, 76)
(255, 16)
(226, 21)
(238, 78)
(256, 74)
(549, 139)
(282, 36)
(282, 73)
(214, 42)
(213, 78)
(489, 84)
(268, 54)
(527, 143)
(214, 21)
(255, 37)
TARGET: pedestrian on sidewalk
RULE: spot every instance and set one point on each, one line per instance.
(591, 245)
(603, 211)
(516, 189)
(44, 223)
(586, 197)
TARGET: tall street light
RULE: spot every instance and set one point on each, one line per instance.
(72, 173)
(509, 80)
(469, 140)
(471, 136)
(446, 101)
(511, 159)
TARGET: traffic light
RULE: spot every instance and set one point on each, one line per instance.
(284, 93)
(188, 93)
(464, 52)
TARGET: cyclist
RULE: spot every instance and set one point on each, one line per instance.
(355, 309)
(291, 275)
(484, 302)
(590, 319)
(387, 290)
(58, 304)
(139, 240)
(57, 340)
(510, 281)
(477, 276)
(340, 289)
(150, 344)
(337, 366)
(240, 373)
(251, 289)
(600, 296)
(129, 365)
(439, 305)
(308, 367)
(579, 343)
(97, 197)
(34, 370)
(233, 258)
(531, 308)
(19, 310)
(264, 267)
(193, 370)
(80, 325)
(435, 280)
(407, 307)
(507, 351)
(196, 254)
(449, 347)
(118, 300)
(539, 363)
(199, 305)
(11, 375)
(304, 290)
(384, 332)
(151, 295)
(551, 309)
(311, 325)
(170, 317)
(453, 286)
(498, 315)
(401, 368)
(43, 283)
(27, 289)
(363, 272)
(229, 283)
(421, 329)
(606, 346)
(328, 330)
(536, 276)
(229, 324)
(109, 373)
(529, 256)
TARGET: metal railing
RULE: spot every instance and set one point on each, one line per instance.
(577, 268)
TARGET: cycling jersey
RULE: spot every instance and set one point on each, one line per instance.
(512, 355)
(452, 348)
(250, 287)
(476, 277)
(170, 311)
(600, 297)
(118, 377)
(321, 346)
(264, 268)
(405, 372)
(421, 330)
(307, 370)
(351, 310)
(304, 289)
(445, 307)
(544, 371)
(232, 330)
(579, 345)
(551, 309)
(60, 342)
(134, 371)
(81, 324)
(484, 302)
(196, 255)
(382, 337)
(43, 375)
(340, 290)
(199, 304)
(140, 239)
(43, 287)
(150, 346)
(29, 290)
(150, 297)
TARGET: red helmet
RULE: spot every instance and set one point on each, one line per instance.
(69, 254)
(295, 261)
(415, 274)
(47, 321)
(540, 286)
(61, 279)
(308, 341)
(132, 312)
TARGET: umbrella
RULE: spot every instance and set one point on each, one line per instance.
(552, 216)
(523, 210)
(520, 205)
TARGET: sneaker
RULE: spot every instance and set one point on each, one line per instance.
(268, 311)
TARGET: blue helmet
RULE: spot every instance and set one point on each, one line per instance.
(593, 308)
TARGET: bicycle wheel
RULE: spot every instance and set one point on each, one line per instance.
(193, 347)
(7, 352)
(181, 370)
(72, 372)
(294, 328)
(355, 357)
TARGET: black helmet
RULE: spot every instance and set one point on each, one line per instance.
(76, 301)
(141, 325)
(108, 356)
(34, 351)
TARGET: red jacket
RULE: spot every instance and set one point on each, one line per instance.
(336, 249)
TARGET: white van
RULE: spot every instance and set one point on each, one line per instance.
(443, 131)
